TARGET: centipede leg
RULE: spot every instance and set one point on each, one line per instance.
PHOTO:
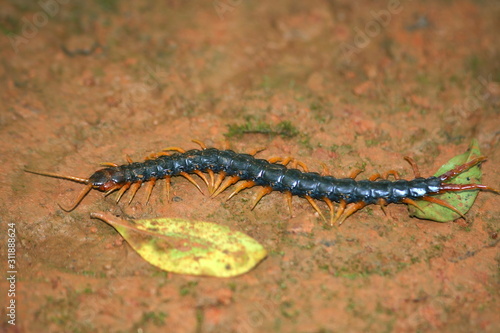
(351, 209)
(188, 177)
(200, 143)
(256, 151)
(443, 203)
(393, 173)
(382, 203)
(315, 206)
(218, 182)
(203, 177)
(109, 164)
(227, 182)
(262, 192)
(332, 209)
(288, 196)
(149, 188)
(212, 181)
(177, 149)
(414, 166)
(324, 169)
(374, 177)
(133, 190)
(167, 187)
(340, 210)
(354, 173)
(412, 202)
(121, 191)
(301, 164)
(282, 160)
(240, 187)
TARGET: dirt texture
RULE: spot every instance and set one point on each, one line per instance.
(342, 84)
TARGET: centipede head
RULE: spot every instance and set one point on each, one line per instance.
(103, 180)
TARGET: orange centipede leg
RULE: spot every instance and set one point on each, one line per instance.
(351, 209)
(108, 164)
(133, 190)
(203, 177)
(149, 188)
(121, 191)
(262, 192)
(200, 143)
(393, 173)
(177, 149)
(374, 177)
(414, 166)
(443, 203)
(167, 187)
(188, 177)
(315, 206)
(241, 186)
(354, 173)
(332, 209)
(288, 196)
(411, 202)
(227, 182)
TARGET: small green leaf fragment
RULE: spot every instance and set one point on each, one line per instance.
(189, 247)
(463, 200)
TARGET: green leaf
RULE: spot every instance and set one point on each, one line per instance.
(189, 247)
(462, 201)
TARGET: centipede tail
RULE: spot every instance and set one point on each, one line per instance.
(226, 168)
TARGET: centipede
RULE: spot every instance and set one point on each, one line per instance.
(222, 168)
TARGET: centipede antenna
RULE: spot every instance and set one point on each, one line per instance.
(79, 199)
(55, 175)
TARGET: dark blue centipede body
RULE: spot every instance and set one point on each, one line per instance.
(276, 176)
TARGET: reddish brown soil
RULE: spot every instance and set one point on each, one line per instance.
(99, 80)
